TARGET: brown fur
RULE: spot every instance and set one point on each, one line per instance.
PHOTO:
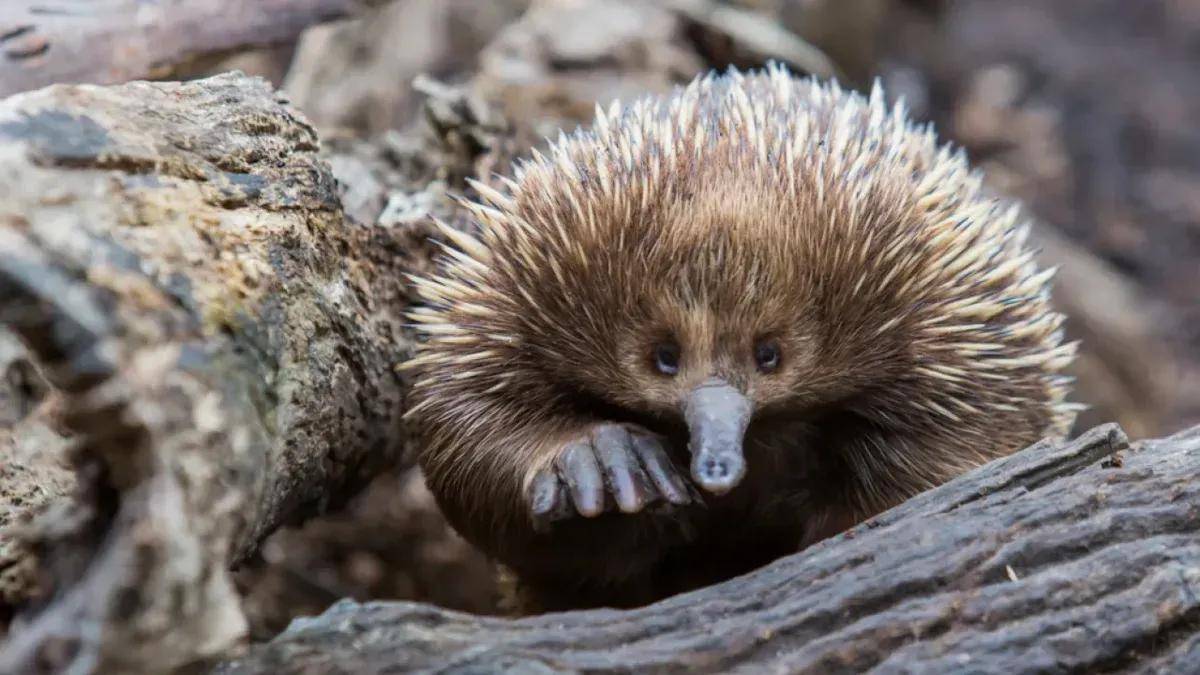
(916, 333)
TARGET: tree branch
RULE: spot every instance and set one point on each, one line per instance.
(111, 41)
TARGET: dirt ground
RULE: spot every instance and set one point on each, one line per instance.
(1084, 109)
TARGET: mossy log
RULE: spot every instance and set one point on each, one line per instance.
(1079, 557)
(220, 341)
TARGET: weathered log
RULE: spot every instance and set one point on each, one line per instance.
(112, 41)
(223, 342)
(1079, 557)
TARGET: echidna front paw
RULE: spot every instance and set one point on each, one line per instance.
(608, 466)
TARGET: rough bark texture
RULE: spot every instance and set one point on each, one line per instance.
(221, 343)
(1076, 557)
(111, 41)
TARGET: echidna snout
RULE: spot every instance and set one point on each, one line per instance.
(717, 415)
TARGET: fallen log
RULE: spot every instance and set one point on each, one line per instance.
(1079, 557)
(112, 41)
(220, 339)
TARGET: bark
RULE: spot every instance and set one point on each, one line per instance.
(218, 345)
(1079, 557)
(111, 41)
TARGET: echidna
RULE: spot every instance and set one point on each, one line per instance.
(720, 325)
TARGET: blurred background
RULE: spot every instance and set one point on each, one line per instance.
(1087, 110)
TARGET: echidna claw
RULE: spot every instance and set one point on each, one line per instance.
(610, 467)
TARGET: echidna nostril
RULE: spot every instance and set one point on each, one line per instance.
(715, 469)
(718, 473)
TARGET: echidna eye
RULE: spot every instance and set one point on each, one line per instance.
(767, 356)
(666, 358)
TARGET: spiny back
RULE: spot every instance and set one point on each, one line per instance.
(758, 194)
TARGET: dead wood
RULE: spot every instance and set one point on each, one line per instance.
(219, 344)
(1079, 557)
(112, 41)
